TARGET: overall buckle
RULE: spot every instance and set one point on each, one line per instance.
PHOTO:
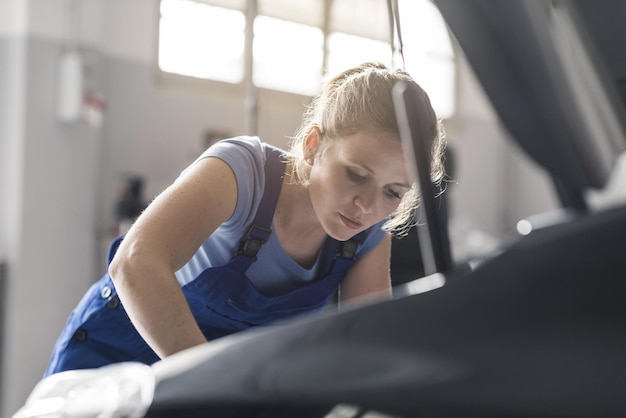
(254, 239)
(348, 249)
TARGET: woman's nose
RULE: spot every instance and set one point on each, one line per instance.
(365, 199)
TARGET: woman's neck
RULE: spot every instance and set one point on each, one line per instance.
(294, 211)
(296, 226)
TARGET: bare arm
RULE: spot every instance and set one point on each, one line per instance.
(370, 275)
(160, 242)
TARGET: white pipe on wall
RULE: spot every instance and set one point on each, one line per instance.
(70, 87)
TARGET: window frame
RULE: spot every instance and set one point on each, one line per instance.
(239, 91)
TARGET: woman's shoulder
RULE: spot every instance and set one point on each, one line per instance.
(244, 154)
(238, 144)
(247, 149)
(246, 157)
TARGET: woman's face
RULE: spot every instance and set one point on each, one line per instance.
(356, 182)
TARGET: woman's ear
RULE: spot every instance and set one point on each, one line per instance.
(311, 142)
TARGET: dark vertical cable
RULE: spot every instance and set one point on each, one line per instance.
(394, 24)
(251, 106)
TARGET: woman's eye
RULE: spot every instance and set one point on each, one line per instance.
(392, 194)
(354, 176)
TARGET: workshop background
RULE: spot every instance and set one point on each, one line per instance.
(89, 99)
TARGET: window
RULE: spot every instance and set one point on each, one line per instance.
(200, 40)
(205, 39)
(358, 31)
(288, 56)
(429, 56)
(345, 51)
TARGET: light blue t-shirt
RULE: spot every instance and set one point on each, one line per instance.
(274, 270)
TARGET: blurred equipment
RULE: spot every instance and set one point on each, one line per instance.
(122, 390)
(130, 203)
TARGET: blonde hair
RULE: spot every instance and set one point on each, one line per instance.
(357, 100)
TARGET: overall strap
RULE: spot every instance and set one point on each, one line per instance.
(345, 250)
(260, 229)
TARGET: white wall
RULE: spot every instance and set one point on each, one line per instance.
(49, 218)
(13, 17)
(58, 181)
(12, 126)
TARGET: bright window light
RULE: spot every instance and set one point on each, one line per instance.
(201, 41)
(345, 51)
(287, 56)
(428, 53)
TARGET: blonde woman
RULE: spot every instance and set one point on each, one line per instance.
(250, 234)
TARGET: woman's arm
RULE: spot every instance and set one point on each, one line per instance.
(370, 275)
(160, 242)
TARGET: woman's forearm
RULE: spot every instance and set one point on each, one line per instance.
(156, 306)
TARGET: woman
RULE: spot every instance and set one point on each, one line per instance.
(249, 234)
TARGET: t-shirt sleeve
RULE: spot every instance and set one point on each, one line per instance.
(246, 157)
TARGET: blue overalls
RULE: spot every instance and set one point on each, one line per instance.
(222, 299)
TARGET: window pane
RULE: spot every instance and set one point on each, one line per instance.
(345, 51)
(428, 53)
(365, 18)
(437, 76)
(287, 56)
(201, 41)
(307, 12)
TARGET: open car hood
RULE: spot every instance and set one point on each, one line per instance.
(550, 71)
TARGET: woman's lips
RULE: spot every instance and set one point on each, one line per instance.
(350, 223)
